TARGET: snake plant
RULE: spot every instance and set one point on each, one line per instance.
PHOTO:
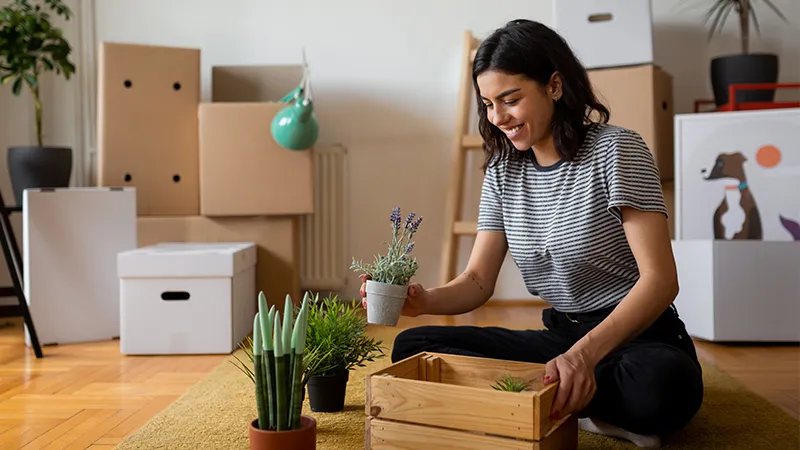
(278, 350)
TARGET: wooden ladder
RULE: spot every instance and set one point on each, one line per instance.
(463, 142)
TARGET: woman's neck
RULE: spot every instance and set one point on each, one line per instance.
(545, 151)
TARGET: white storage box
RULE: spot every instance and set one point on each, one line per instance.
(606, 33)
(70, 241)
(747, 291)
(187, 298)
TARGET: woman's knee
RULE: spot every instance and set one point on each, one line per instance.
(411, 341)
(668, 395)
(656, 393)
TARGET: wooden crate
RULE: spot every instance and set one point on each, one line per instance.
(435, 400)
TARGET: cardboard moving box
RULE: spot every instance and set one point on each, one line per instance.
(277, 239)
(253, 83)
(148, 127)
(640, 98)
(243, 171)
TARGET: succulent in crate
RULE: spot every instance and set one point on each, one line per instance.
(510, 384)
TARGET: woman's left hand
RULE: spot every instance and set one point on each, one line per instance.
(577, 383)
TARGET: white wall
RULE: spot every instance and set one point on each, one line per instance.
(59, 123)
(385, 82)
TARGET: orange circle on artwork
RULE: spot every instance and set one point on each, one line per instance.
(768, 156)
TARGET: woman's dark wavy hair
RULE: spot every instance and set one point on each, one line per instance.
(531, 49)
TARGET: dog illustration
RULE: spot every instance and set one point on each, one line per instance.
(737, 216)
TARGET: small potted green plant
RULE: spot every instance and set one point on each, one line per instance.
(279, 363)
(29, 46)
(744, 67)
(389, 275)
(337, 336)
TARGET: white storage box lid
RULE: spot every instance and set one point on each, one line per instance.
(187, 260)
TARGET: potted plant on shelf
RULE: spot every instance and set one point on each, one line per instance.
(389, 275)
(279, 362)
(31, 45)
(337, 336)
(744, 67)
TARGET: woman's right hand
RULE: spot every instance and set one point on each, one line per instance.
(415, 303)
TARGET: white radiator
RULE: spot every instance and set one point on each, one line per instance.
(324, 234)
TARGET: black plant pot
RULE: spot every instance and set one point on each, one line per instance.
(326, 392)
(745, 68)
(38, 167)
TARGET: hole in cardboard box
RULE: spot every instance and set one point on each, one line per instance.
(174, 295)
(176, 86)
(176, 178)
(128, 83)
(127, 177)
(603, 17)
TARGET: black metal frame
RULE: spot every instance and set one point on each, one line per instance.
(14, 263)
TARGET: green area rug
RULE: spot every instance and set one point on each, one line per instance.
(214, 414)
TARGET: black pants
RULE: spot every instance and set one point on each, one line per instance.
(650, 385)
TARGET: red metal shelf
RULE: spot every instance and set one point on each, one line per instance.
(750, 106)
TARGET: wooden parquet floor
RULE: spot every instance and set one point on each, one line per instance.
(84, 395)
(88, 396)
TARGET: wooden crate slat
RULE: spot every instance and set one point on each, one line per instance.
(543, 401)
(451, 406)
(387, 434)
(484, 372)
(405, 368)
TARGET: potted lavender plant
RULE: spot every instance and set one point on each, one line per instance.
(389, 275)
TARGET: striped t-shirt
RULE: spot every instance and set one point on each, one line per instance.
(562, 222)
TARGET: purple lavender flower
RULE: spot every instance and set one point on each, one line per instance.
(409, 248)
(409, 219)
(415, 224)
(394, 218)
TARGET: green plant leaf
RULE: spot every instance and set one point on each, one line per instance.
(337, 337)
(510, 384)
(31, 44)
(17, 86)
(719, 11)
(31, 80)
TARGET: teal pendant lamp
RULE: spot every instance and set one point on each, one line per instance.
(295, 127)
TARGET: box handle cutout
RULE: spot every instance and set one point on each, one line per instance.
(604, 17)
(174, 295)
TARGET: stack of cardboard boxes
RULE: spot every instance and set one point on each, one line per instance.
(615, 44)
(204, 171)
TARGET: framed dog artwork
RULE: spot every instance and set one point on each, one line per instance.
(737, 175)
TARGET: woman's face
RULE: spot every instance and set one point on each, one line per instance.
(520, 107)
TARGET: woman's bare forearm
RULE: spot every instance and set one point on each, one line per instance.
(461, 295)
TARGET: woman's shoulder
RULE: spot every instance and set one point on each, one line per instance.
(603, 139)
(609, 135)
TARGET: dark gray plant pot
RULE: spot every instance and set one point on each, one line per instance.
(744, 68)
(31, 166)
(327, 392)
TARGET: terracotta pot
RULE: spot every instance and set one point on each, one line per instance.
(303, 439)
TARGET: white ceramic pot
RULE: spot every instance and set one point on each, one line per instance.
(384, 302)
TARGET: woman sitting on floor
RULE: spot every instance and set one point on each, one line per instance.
(579, 205)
